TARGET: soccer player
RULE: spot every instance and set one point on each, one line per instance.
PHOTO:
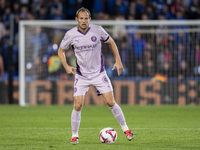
(85, 40)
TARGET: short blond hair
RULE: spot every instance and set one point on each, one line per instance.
(83, 9)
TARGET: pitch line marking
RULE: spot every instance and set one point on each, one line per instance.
(35, 128)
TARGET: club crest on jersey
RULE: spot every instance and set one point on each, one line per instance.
(105, 79)
(93, 38)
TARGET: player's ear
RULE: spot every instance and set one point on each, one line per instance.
(76, 18)
(90, 19)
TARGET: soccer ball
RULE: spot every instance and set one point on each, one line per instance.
(108, 135)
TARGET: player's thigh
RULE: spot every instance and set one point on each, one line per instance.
(103, 84)
(109, 98)
(78, 102)
(81, 85)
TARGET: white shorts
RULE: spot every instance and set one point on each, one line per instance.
(101, 82)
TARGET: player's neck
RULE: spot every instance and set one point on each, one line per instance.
(83, 30)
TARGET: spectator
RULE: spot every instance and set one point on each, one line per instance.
(161, 17)
(144, 16)
(139, 70)
(56, 6)
(16, 24)
(15, 60)
(6, 17)
(149, 53)
(197, 55)
(39, 42)
(70, 7)
(119, 31)
(5, 46)
(110, 6)
(125, 56)
(5, 53)
(186, 3)
(159, 47)
(16, 8)
(183, 71)
(24, 13)
(124, 51)
(150, 56)
(177, 6)
(121, 7)
(1, 66)
(140, 9)
(159, 6)
(37, 5)
(2, 29)
(160, 60)
(150, 12)
(168, 14)
(42, 14)
(181, 55)
(170, 41)
(138, 46)
(102, 16)
(98, 6)
(182, 38)
(131, 11)
(194, 10)
(166, 70)
(167, 56)
(3, 6)
(56, 14)
(131, 29)
(179, 16)
(149, 68)
(30, 16)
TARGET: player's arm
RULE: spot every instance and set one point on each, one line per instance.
(118, 64)
(61, 55)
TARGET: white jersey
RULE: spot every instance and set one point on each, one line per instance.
(87, 49)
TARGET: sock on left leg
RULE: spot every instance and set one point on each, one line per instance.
(117, 112)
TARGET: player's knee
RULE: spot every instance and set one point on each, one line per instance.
(111, 103)
(78, 107)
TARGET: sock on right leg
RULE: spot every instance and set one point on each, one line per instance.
(75, 122)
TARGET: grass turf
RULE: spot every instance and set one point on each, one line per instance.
(48, 127)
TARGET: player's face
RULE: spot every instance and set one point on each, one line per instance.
(83, 20)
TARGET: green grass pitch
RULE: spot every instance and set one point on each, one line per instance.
(166, 127)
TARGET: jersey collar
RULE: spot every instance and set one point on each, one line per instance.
(84, 33)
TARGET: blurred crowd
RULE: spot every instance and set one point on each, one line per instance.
(142, 56)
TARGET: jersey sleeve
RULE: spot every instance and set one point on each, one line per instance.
(66, 41)
(104, 35)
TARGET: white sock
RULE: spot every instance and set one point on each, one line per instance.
(124, 128)
(75, 122)
(117, 112)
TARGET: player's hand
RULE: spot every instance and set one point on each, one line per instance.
(70, 70)
(119, 67)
